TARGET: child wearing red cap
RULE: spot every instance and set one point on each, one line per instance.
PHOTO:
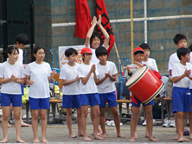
(138, 55)
(87, 73)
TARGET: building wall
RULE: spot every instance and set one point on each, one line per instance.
(159, 32)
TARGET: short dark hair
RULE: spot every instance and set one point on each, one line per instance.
(138, 52)
(179, 37)
(12, 49)
(70, 51)
(182, 52)
(38, 48)
(145, 46)
(190, 47)
(95, 34)
(100, 51)
(22, 39)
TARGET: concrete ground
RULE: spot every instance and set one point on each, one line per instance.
(58, 134)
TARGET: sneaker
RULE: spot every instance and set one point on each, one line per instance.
(144, 123)
(154, 121)
(167, 123)
(172, 124)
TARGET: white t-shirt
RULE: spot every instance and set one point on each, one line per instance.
(151, 63)
(94, 59)
(177, 70)
(90, 86)
(20, 58)
(39, 73)
(69, 73)
(6, 71)
(107, 85)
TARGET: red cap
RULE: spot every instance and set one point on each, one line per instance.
(138, 49)
(86, 50)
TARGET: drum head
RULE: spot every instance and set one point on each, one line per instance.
(136, 76)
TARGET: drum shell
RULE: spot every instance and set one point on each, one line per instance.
(147, 87)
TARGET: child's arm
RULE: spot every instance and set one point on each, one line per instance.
(3, 81)
(28, 81)
(51, 75)
(12, 78)
(90, 31)
(64, 82)
(178, 78)
(20, 81)
(128, 70)
(106, 35)
(101, 80)
(85, 79)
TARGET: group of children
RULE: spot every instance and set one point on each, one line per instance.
(90, 83)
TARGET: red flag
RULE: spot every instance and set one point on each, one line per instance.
(83, 19)
(101, 10)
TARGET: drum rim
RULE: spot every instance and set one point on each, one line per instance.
(155, 94)
(146, 68)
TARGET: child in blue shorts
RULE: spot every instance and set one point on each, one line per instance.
(87, 73)
(106, 89)
(11, 78)
(38, 75)
(71, 98)
(181, 96)
(138, 55)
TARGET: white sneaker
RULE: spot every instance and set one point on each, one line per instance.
(172, 124)
(144, 123)
(154, 121)
(167, 123)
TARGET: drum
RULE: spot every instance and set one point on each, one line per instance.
(144, 85)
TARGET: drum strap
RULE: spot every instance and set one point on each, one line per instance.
(133, 98)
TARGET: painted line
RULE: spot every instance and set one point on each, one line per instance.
(128, 20)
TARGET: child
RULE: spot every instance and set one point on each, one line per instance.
(179, 40)
(138, 55)
(106, 89)
(93, 39)
(38, 75)
(181, 96)
(71, 97)
(20, 41)
(87, 73)
(11, 78)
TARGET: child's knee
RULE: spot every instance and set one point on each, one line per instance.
(69, 113)
(5, 117)
(43, 117)
(17, 116)
(115, 113)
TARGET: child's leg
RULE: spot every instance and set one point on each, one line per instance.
(6, 114)
(102, 122)
(96, 114)
(35, 116)
(180, 116)
(92, 116)
(190, 124)
(117, 121)
(69, 123)
(17, 117)
(134, 121)
(79, 114)
(43, 116)
(149, 120)
(84, 109)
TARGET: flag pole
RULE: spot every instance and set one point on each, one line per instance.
(118, 56)
(131, 15)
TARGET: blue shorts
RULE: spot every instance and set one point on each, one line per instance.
(139, 103)
(108, 97)
(42, 103)
(92, 99)
(181, 100)
(7, 99)
(191, 95)
(71, 101)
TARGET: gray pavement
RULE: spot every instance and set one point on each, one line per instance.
(58, 134)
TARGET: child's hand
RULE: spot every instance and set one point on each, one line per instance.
(77, 78)
(138, 64)
(99, 20)
(107, 74)
(31, 82)
(53, 73)
(93, 68)
(187, 72)
(94, 20)
(13, 78)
